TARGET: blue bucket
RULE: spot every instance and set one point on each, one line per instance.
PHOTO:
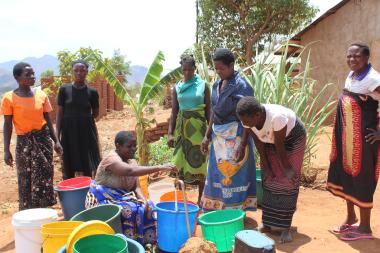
(72, 201)
(171, 224)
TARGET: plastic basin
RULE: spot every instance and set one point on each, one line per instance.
(109, 213)
(221, 226)
(100, 244)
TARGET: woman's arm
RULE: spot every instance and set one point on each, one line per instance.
(279, 142)
(138, 191)
(59, 121)
(53, 136)
(7, 133)
(244, 141)
(95, 104)
(208, 103)
(260, 148)
(207, 137)
(125, 169)
(173, 118)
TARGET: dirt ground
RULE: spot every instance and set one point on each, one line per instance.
(318, 211)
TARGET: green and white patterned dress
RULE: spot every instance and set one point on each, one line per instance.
(191, 125)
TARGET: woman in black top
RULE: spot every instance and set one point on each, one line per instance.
(78, 106)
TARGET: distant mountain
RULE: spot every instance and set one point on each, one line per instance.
(39, 64)
(7, 82)
(45, 62)
(137, 75)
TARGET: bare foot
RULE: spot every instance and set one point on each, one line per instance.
(286, 236)
(264, 229)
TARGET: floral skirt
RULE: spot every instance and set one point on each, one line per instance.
(34, 163)
(136, 223)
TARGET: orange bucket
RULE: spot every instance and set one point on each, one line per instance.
(170, 196)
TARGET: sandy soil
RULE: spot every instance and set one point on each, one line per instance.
(318, 211)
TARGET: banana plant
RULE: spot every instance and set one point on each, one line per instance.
(151, 87)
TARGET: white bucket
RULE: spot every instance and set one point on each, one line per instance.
(156, 190)
(27, 227)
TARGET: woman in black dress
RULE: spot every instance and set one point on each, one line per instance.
(78, 106)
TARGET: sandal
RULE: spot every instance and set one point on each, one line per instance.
(345, 228)
(355, 235)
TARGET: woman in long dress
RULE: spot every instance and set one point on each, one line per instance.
(188, 123)
(355, 156)
(229, 184)
(78, 106)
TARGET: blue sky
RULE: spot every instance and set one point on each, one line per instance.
(139, 28)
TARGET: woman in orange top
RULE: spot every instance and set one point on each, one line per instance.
(27, 109)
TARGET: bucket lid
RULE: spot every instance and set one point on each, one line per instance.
(255, 239)
(34, 217)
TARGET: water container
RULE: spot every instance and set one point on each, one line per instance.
(55, 234)
(171, 224)
(72, 201)
(109, 213)
(221, 226)
(27, 226)
(156, 190)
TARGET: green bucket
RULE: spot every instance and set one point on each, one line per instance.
(100, 244)
(109, 213)
(259, 187)
(221, 226)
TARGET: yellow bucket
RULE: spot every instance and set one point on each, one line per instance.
(143, 180)
(55, 234)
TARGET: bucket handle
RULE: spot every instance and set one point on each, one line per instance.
(185, 205)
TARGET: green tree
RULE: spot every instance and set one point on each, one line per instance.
(241, 24)
(119, 63)
(47, 73)
(65, 58)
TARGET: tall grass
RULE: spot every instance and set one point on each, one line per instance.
(278, 83)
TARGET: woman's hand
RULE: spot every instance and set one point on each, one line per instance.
(8, 158)
(240, 152)
(290, 174)
(373, 136)
(204, 145)
(58, 148)
(168, 167)
(170, 140)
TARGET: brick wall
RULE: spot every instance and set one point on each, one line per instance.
(154, 134)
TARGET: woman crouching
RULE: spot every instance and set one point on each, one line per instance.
(280, 138)
(117, 183)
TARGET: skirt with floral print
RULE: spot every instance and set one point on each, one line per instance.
(35, 171)
(137, 220)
